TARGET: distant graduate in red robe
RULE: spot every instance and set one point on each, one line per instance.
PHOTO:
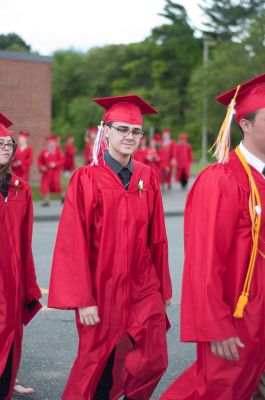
(183, 156)
(152, 157)
(69, 155)
(23, 158)
(141, 151)
(222, 307)
(167, 158)
(90, 137)
(19, 292)
(50, 162)
(111, 264)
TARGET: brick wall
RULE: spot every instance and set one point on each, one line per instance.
(25, 98)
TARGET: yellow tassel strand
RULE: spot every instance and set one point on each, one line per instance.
(254, 205)
(222, 143)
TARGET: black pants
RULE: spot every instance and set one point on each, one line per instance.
(5, 379)
(106, 381)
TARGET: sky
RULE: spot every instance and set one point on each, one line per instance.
(50, 25)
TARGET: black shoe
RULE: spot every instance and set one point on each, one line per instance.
(45, 204)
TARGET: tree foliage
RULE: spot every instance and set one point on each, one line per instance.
(228, 19)
(13, 42)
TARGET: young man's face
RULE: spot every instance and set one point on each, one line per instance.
(254, 131)
(123, 138)
(6, 149)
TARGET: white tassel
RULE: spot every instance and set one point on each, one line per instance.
(222, 153)
(97, 144)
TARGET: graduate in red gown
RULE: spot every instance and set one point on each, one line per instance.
(183, 156)
(110, 264)
(223, 295)
(152, 157)
(50, 162)
(141, 151)
(88, 150)
(167, 158)
(23, 158)
(19, 292)
(69, 155)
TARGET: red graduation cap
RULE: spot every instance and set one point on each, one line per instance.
(93, 130)
(250, 97)
(52, 138)
(24, 134)
(4, 124)
(128, 109)
(241, 100)
(157, 137)
(183, 136)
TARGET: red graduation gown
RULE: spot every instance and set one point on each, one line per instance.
(51, 179)
(140, 154)
(69, 159)
(153, 160)
(88, 153)
(18, 285)
(218, 244)
(111, 250)
(25, 156)
(183, 155)
(166, 154)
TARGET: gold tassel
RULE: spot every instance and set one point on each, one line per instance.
(241, 304)
(222, 143)
(254, 200)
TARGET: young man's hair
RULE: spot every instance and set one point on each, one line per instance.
(249, 117)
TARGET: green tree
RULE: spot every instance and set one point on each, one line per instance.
(228, 19)
(13, 42)
(231, 63)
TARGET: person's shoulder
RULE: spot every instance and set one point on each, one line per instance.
(20, 185)
(146, 172)
(218, 176)
(140, 165)
(84, 174)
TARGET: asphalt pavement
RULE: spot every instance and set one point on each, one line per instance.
(50, 341)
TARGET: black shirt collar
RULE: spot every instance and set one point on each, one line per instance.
(115, 165)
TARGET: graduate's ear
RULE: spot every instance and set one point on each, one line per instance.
(106, 131)
(245, 125)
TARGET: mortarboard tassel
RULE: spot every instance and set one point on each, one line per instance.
(97, 144)
(222, 143)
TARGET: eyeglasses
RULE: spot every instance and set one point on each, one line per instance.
(124, 131)
(10, 145)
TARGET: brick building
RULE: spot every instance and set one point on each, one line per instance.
(25, 97)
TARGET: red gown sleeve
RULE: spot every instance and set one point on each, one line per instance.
(158, 241)
(71, 282)
(211, 217)
(59, 158)
(41, 161)
(32, 290)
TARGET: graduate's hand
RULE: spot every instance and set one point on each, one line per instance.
(227, 349)
(167, 303)
(89, 315)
